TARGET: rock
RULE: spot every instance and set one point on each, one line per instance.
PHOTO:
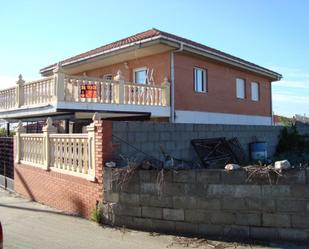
(110, 164)
(232, 167)
(282, 165)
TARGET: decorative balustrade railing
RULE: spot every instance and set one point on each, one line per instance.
(38, 92)
(80, 89)
(71, 154)
(32, 149)
(8, 98)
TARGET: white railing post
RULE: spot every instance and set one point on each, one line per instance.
(18, 130)
(47, 130)
(59, 83)
(120, 78)
(91, 146)
(166, 92)
(20, 91)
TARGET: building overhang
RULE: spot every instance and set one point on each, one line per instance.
(151, 46)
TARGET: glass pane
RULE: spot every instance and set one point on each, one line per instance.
(140, 77)
(255, 91)
(240, 88)
(199, 80)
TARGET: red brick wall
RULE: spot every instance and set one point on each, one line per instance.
(221, 95)
(68, 193)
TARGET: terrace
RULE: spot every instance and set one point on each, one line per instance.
(81, 96)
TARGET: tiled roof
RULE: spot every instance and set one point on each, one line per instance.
(150, 34)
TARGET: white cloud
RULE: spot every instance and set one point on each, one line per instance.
(290, 99)
(288, 72)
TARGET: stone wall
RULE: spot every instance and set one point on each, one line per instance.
(211, 203)
(175, 138)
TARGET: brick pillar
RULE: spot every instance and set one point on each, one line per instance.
(103, 149)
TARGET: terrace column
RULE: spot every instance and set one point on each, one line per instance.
(59, 83)
(18, 130)
(120, 78)
(19, 91)
(47, 130)
(166, 92)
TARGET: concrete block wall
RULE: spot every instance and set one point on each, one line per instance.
(211, 203)
(175, 138)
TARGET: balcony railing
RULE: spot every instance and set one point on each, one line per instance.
(75, 89)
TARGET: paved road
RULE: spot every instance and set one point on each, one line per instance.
(31, 225)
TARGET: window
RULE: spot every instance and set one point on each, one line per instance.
(108, 77)
(255, 92)
(200, 84)
(140, 75)
(240, 88)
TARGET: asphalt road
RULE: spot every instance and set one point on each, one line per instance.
(28, 224)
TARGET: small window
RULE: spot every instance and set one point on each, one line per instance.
(255, 92)
(200, 83)
(140, 76)
(240, 88)
(108, 77)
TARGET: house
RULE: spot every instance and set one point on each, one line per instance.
(152, 75)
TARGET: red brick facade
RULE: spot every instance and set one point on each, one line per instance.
(68, 193)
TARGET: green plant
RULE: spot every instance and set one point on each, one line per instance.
(97, 214)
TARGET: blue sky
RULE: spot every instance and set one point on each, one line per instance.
(271, 33)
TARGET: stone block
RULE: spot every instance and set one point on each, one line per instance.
(293, 234)
(175, 189)
(184, 176)
(126, 210)
(131, 199)
(208, 204)
(184, 202)
(197, 216)
(257, 204)
(233, 204)
(156, 201)
(248, 219)
(271, 191)
(150, 188)
(173, 214)
(276, 220)
(163, 225)
(300, 221)
(210, 229)
(208, 176)
(186, 228)
(152, 212)
(125, 221)
(110, 196)
(219, 190)
(144, 224)
(242, 191)
(234, 177)
(291, 206)
(130, 187)
(236, 232)
(222, 218)
(292, 177)
(264, 233)
(300, 191)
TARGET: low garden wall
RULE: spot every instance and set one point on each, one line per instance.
(210, 203)
(175, 138)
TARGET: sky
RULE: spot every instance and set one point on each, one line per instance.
(270, 33)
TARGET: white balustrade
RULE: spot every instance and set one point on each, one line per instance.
(8, 98)
(71, 154)
(81, 89)
(32, 149)
(38, 92)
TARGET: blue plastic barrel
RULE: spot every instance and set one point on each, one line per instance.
(258, 151)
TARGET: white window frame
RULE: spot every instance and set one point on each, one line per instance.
(140, 69)
(204, 87)
(257, 93)
(238, 94)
